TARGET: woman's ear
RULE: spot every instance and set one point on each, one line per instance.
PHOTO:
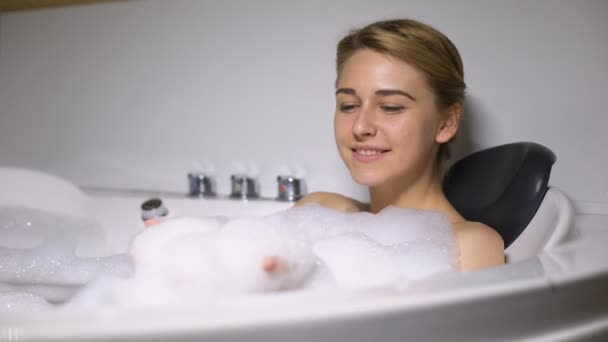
(449, 124)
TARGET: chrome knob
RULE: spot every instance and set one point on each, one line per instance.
(243, 187)
(200, 185)
(290, 188)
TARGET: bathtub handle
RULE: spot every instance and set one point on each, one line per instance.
(200, 185)
(290, 189)
(243, 187)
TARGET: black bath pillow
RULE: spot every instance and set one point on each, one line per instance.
(501, 187)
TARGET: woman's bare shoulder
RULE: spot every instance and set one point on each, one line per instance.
(480, 246)
(334, 201)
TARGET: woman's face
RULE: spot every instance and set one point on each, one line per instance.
(387, 125)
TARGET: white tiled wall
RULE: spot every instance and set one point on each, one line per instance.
(136, 94)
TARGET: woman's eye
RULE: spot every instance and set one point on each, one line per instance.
(347, 108)
(393, 109)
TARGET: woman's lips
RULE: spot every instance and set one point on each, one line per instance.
(368, 155)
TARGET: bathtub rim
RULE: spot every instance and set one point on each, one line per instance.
(114, 324)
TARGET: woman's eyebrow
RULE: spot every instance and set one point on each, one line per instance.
(388, 92)
(348, 91)
(381, 92)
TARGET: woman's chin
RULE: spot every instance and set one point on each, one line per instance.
(367, 179)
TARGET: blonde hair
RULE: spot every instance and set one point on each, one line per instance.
(419, 45)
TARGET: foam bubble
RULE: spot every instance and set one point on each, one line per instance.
(393, 226)
(356, 261)
(55, 263)
(364, 250)
(195, 255)
(245, 244)
(304, 247)
(200, 260)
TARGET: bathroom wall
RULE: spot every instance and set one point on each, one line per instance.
(136, 94)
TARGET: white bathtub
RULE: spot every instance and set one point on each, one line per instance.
(557, 295)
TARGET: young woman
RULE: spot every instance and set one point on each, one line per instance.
(399, 95)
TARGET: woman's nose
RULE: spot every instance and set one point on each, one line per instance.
(364, 124)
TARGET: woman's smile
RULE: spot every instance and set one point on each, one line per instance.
(368, 154)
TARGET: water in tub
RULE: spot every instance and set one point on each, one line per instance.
(195, 260)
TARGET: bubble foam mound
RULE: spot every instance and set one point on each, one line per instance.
(206, 260)
(55, 263)
(39, 247)
(191, 260)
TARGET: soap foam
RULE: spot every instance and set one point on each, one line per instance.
(190, 261)
(42, 257)
(55, 263)
(395, 245)
(356, 261)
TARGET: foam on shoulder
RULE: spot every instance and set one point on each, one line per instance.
(356, 261)
(395, 245)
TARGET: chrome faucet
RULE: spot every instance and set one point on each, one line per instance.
(243, 187)
(290, 188)
(200, 185)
